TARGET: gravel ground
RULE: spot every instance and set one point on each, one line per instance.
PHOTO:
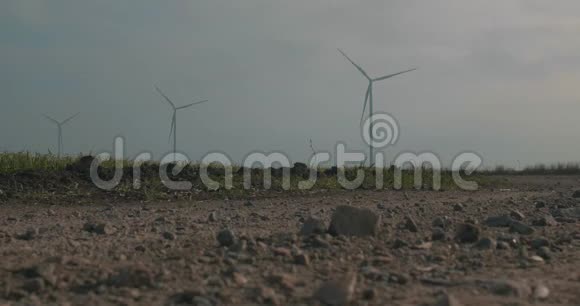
(519, 246)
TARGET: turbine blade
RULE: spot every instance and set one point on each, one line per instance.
(366, 102)
(192, 104)
(69, 118)
(51, 119)
(165, 97)
(394, 74)
(357, 66)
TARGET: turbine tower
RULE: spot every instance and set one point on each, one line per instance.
(173, 130)
(369, 99)
(60, 124)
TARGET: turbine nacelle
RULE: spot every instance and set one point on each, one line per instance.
(61, 123)
(175, 108)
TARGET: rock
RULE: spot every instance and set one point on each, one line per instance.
(442, 222)
(352, 221)
(238, 246)
(34, 285)
(266, 295)
(507, 288)
(521, 228)
(547, 220)
(411, 225)
(399, 278)
(30, 234)
(373, 273)
(445, 299)
(381, 259)
(576, 194)
(131, 293)
(100, 228)
(502, 245)
(369, 294)
(226, 238)
(568, 212)
(302, 259)
(201, 301)
(284, 252)
(565, 220)
(536, 259)
(44, 271)
(132, 277)
(285, 280)
(212, 217)
(467, 233)
(337, 292)
(193, 297)
(438, 234)
(284, 238)
(498, 221)
(539, 242)
(512, 241)
(239, 279)
(319, 242)
(313, 226)
(214, 281)
(423, 246)
(544, 252)
(540, 204)
(516, 215)
(486, 243)
(399, 243)
(168, 235)
(458, 207)
(541, 292)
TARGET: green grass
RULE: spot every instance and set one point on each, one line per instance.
(24, 161)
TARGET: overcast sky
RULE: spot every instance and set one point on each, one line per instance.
(501, 77)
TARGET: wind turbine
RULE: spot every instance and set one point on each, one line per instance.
(173, 130)
(369, 97)
(59, 124)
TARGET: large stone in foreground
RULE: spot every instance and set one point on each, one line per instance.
(352, 221)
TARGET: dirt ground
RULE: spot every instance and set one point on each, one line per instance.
(432, 248)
